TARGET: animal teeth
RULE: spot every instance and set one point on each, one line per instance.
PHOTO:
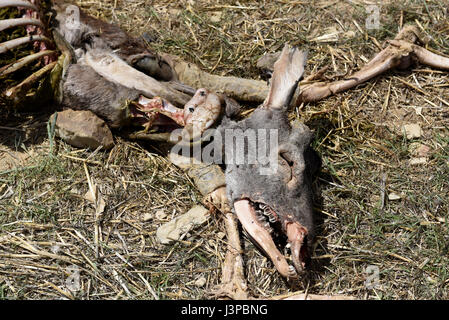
(272, 219)
(292, 271)
(267, 226)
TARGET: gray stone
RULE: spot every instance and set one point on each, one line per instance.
(160, 214)
(393, 196)
(412, 130)
(82, 129)
(180, 225)
(416, 161)
(200, 282)
(418, 149)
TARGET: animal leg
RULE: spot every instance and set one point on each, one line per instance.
(114, 69)
(233, 283)
(399, 53)
(238, 88)
(210, 181)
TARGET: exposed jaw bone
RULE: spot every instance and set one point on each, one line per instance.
(247, 217)
(296, 234)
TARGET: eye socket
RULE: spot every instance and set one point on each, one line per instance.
(202, 93)
(191, 109)
(285, 167)
(297, 164)
(286, 158)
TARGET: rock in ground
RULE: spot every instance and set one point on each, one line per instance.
(82, 129)
(412, 130)
(180, 225)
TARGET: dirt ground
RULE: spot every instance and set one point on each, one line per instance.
(383, 195)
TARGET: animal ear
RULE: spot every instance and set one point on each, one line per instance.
(288, 70)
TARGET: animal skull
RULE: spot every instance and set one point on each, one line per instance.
(282, 201)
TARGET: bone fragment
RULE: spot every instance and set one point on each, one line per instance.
(180, 225)
(25, 85)
(14, 43)
(244, 212)
(17, 3)
(398, 53)
(18, 22)
(13, 67)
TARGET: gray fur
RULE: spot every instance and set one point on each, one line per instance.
(246, 182)
(79, 29)
(85, 89)
(82, 87)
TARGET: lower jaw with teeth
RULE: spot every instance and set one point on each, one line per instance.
(296, 235)
(260, 231)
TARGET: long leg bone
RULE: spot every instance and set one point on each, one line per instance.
(238, 88)
(210, 181)
(423, 55)
(398, 53)
(116, 70)
(233, 279)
